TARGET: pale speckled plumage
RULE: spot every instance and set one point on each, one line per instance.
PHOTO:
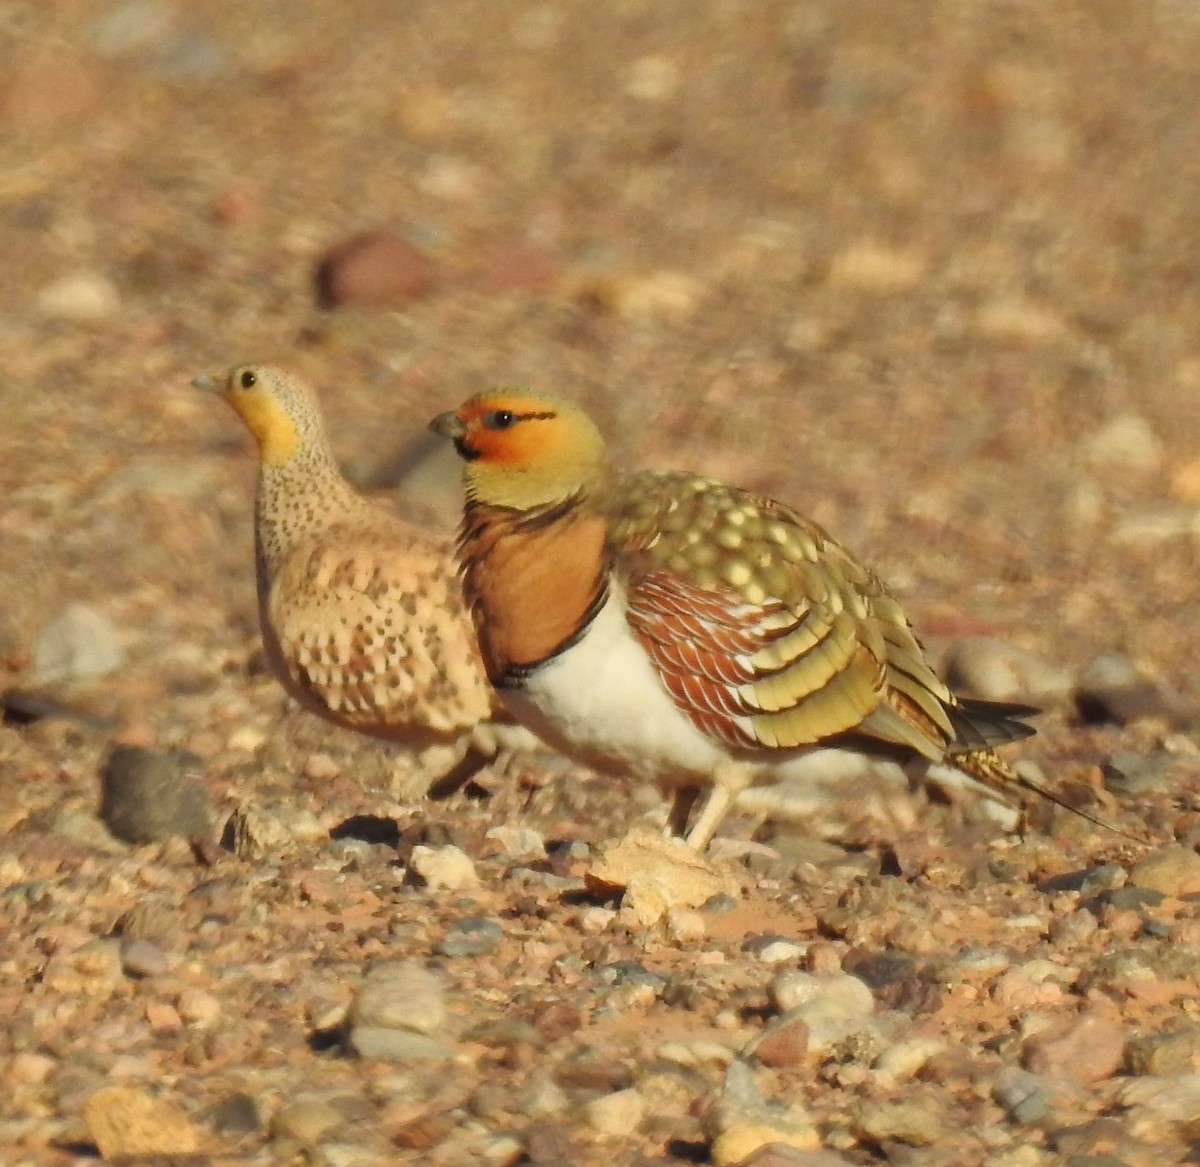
(361, 613)
(712, 638)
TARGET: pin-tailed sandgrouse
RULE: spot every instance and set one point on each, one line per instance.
(685, 631)
(362, 616)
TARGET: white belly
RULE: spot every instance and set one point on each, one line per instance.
(602, 702)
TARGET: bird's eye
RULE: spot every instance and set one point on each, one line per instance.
(499, 419)
(248, 379)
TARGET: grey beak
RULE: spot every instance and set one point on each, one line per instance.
(449, 425)
(204, 381)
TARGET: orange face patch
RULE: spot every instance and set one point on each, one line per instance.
(508, 429)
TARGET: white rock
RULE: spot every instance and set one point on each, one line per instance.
(400, 995)
(837, 990)
(444, 868)
(77, 644)
(616, 1114)
(80, 296)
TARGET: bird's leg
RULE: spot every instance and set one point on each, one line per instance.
(728, 783)
(454, 779)
(681, 810)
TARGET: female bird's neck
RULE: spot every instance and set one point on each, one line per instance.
(298, 499)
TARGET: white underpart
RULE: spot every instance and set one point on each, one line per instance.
(602, 700)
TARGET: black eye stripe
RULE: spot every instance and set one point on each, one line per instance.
(503, 419)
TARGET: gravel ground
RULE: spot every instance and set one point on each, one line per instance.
(928, 272)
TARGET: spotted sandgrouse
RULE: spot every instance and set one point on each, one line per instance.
(685, 631)
(362, 618)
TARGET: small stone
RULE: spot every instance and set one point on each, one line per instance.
(374, 269)
(996, 671)
(542, 1097)
(81, 296)
(142, 958)
(743, 1139)
(400, 995)
(1111, 690)
(1022, 1095)
(31, 1069)
(615, 1115)
(908, 1057)
(78, 644)
(147, 795)
(782, 1043)
(685, 926)
(306, 1122)
(913, 1123)
(1173, 871)
(518, 842)
(263, 832)
(1089, 1050)
(472, 936)
(1126, 443)
(398, 1045)
(792, 989)
(1130, 774)
(236, 1114)
(124, 1121)
(321, 768)
(199, 1009)
(443, 868)
(777, 949)
(658, 873)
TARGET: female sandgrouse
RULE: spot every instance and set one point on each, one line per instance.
(361, 613)
(682, 630)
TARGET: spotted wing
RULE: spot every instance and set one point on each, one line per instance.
(372, 631)
(764, 630)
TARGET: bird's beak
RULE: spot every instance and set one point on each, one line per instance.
(449, 425)
(205, 381)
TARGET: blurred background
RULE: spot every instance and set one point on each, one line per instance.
(927, 272)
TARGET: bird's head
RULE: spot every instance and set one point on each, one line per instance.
(277, 407)
(524, 451)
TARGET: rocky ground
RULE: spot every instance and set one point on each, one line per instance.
(928, 272)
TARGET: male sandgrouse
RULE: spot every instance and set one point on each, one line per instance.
(685, 631)
(362, 616)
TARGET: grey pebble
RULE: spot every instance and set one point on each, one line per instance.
(628, 973)
(236, 1114)
(142, 958)
(147, 795)
(471, 936)
(1098, 878)
(1022, 1095)
(1111, 690)
(1129, 773)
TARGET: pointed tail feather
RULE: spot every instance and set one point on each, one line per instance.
(979, 725)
